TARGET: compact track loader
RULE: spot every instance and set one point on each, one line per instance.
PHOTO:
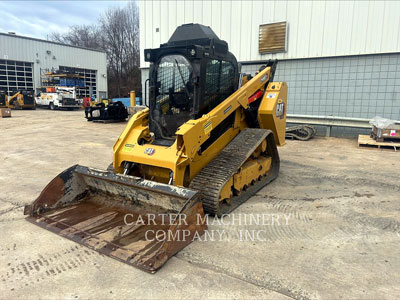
(23, 99)
(207, 142)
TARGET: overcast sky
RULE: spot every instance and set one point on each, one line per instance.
(39, 18)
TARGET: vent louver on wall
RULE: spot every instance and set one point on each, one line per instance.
(272, 37)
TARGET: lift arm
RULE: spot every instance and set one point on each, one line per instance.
(9, 99)
(194, 133)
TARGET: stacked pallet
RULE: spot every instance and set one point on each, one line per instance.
(365, 141)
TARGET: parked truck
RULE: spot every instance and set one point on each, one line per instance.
(59, 97)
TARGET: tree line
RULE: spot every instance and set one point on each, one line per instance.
(117, 33)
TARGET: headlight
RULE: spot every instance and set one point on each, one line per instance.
(193, 52)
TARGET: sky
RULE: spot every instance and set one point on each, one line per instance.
(40, 18)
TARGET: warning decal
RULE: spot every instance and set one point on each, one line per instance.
(207, 127)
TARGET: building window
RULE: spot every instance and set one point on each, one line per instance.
(15, 76)
(272, 38)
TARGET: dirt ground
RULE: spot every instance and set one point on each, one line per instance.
(338, 235)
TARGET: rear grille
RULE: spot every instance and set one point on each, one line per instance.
(28, 100)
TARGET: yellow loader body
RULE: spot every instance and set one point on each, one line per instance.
(206, 144)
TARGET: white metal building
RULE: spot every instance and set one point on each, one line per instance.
(341, 58)
(23, 59)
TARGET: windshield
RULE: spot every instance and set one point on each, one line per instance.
(173, 94)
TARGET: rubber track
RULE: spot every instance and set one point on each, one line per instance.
(212, 178)
(301, 132)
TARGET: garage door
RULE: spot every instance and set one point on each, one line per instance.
(15, 75)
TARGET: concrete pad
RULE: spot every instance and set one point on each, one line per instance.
(331, 224)
(35, 263)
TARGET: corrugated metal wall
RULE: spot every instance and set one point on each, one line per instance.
(342, 59)
(32, 50)
(316, 28)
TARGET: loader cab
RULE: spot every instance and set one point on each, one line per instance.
(189, 76)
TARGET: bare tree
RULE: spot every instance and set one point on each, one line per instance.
(117, 34)
(120, 28)
(112, 26)
(133, 49)
(79, 35)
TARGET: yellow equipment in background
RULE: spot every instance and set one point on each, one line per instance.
(23, 99)
(207, 142)
(3, 99)
(132, 95)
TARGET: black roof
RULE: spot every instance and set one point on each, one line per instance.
(192, 31)
(196, 34)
